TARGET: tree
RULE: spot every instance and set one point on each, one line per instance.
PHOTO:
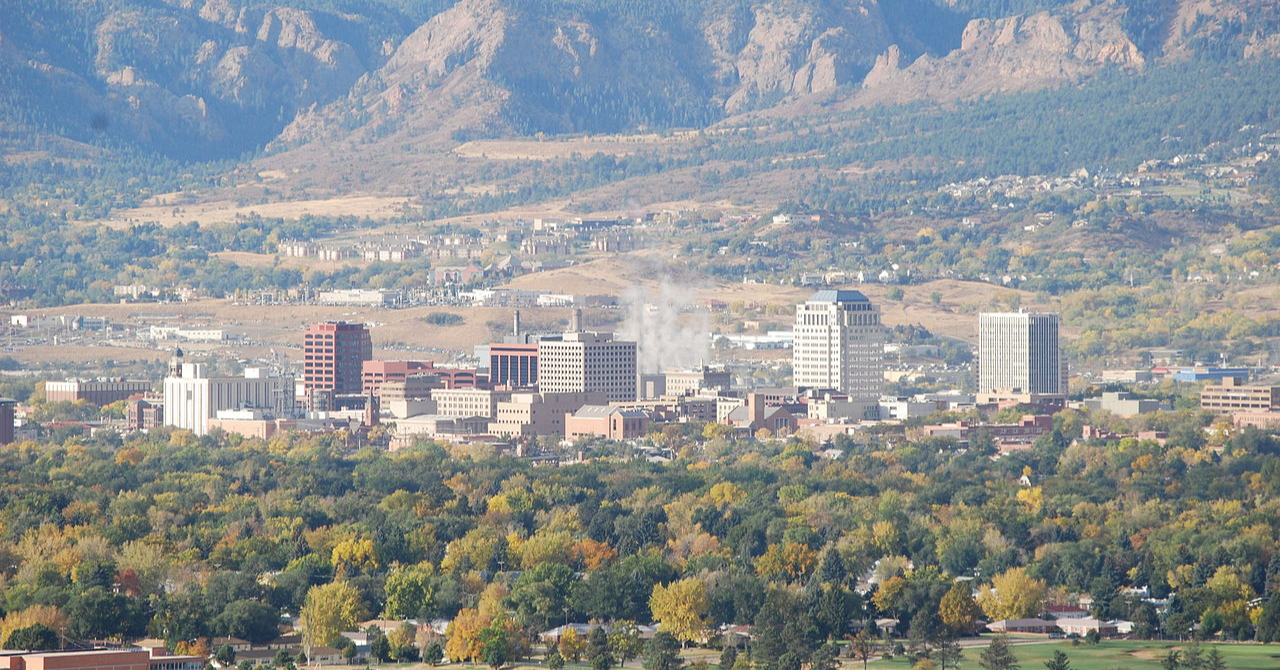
(949, 654)
(248, 619)
(571, 645)
(825, 658)
(662, 652)
(863, 646)
(411, 591)
(379, 645)
(998, 656)
(728, 656)
(625, 640)
(1058, 662)
(463, 644)
(349, 652)
(1268, 620)
(554, 660)
(496, 647)
(681, 608)
(225, 655)
(958, 610)
(283, 658)
(433, 654)
(1214, 660)
(330, 609)
(1013, 594)
(36, 637)
(598, 652)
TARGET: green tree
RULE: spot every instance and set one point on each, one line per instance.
(662, 652)
(1058, 662)
(625, 641)
(433, 654)
(728, 656)
(554, 660)
(998, 655)
(411, 591)
(495, 646)
(598, 652)
(825, 657)
(248, 619)
(225, 655)
(36, 637)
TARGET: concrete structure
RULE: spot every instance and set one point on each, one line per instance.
(413, 387)
(7, 407)
(333, 355)
(437, 425)
(1122, 404)
(1200, 374)
(830, 408)
(1034, 626)
(1231, 395)
(588, 363)
(1006, 435)
(468, 402)
(251, 423)
(1259, 420)
(542, 413)
(100, 659)
(613, 423)
(513, 365)
(98, 393)
(1018, 352)
(192, 399)
(365, 297)
(839, 344)
(374, 373)
(145, 412)
(688, 382)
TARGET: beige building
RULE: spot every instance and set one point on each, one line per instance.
(191, 399)
(1233, 396)
(839, 344)
(1018, 352)
(539, 413)
(468, 402)
(607, 421)
(588, 363)
(94, 392)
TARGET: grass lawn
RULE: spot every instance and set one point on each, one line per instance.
(1116, 655)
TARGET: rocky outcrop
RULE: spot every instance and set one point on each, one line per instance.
(1016, 53)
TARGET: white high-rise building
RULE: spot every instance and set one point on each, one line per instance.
(584, 362)
(839, 344)
(191, 398)
(1018, 353)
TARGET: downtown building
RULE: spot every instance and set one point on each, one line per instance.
(586, 362)
(1019, 357)
(839, 344)
(193, 399)
(333, 356)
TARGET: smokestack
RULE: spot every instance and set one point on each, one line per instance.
(516, 327)
(575, 325)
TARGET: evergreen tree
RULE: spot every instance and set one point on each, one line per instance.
(998, 656)
(1058, 662)
(662, 652)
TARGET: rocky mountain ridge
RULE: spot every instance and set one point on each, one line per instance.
(207, 78)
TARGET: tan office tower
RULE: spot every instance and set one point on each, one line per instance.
(1018, 352)
(839, 344)
(588, 362)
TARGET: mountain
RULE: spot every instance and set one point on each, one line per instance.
(328, 83)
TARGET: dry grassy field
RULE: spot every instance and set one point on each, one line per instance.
(173, 208)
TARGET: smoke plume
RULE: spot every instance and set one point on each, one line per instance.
(668, 331)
